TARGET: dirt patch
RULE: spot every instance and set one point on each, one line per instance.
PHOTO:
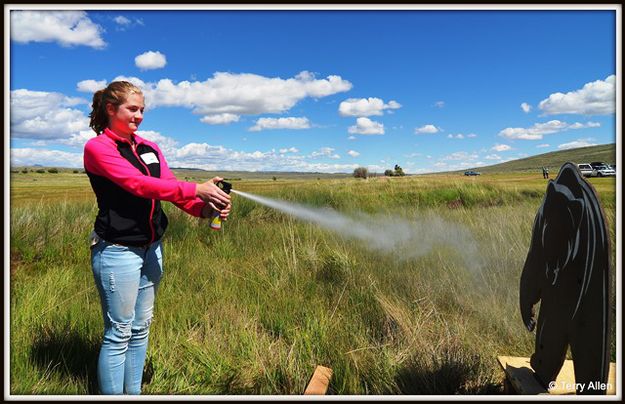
(455, 204)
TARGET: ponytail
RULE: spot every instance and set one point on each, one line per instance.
(116, 94)
(98, 120)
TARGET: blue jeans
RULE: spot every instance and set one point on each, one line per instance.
(127, 279)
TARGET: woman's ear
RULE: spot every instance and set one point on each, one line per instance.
(110, 109)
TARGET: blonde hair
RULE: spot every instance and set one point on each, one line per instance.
(116, 93)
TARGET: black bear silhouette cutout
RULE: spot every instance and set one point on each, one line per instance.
(567, 270)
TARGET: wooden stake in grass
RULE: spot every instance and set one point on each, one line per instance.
(319, 382)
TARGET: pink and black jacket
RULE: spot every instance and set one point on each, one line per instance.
(129, 185)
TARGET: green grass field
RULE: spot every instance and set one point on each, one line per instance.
(254, 308)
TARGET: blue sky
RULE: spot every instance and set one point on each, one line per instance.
(319, 90)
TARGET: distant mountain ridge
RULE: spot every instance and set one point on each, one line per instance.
(554, 160)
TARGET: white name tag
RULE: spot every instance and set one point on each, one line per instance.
(149, 158)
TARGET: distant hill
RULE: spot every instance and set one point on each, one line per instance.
(554, 160)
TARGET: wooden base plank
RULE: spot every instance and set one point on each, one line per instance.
(319, 382)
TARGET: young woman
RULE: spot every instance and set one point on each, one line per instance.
(129, 176)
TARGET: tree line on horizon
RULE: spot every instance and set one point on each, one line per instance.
(363, 172)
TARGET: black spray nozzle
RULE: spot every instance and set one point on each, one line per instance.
(224, 186)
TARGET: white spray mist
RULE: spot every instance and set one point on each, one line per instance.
(400, 237)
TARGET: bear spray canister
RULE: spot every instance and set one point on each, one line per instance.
(215, 220)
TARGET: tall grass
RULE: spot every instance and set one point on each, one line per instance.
(254, 308)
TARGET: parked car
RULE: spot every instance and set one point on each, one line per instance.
(469, 173)
(586, 170)
(603, 170)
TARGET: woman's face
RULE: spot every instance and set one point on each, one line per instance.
(125, 120)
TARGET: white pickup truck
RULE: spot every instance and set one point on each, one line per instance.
(603, 169)
(586, 170)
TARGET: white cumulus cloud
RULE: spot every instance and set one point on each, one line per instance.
(51, 158)
(538, 130)
(167, 144)
(501, 147)
(541, 146)
(75, 140)
(136, 81)
(238, 94)
(280, 123)
(121, 20)
(90, 86)
(44, 115)
(595, 98)
(577, 143)
(67, 28)
(353, 153)
(220, 119)
(365, 106)
(289, 150)
(457, 161)
(456, 136)
(325, 152)
(526, 107)
(150, 60)
(427, 129)
(365, 126)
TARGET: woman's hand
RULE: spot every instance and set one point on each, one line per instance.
(207, 211)
(213, 195)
